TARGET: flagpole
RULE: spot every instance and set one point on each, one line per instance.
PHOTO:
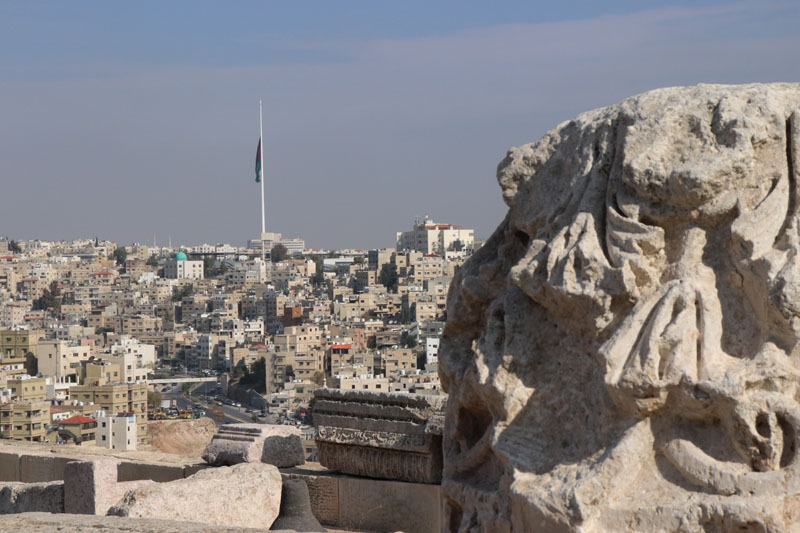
(261, 156)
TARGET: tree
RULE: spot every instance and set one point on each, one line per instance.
(152, 261)
(319, 273)
(51, 298)
(14, 247)
(358, 260)
(183, 292)
(457, 245)
(278, 253)
(208, 266)
(407, 340)
(254, 418)
(256, 375)
(211, 269)
(120, 255)
(388, 276)
(319, 378)
(153, 400)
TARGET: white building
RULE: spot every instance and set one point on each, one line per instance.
(294, 246)
(428, 237)
(137, 360)
(181, 268)
(248, 271)
(116, 432)
(269, 239)
(431, 351)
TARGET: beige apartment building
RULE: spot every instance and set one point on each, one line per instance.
(366, 382)
(26, 388)
(99, 372)
(26, 420)
(117, 398)
(18, 343)
(365, 279)
(61, 360)
(11, 314)
(398, 359)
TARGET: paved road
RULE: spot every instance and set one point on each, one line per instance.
(231, 414)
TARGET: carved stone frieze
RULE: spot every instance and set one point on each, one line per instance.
(380, 435)
(622, 354)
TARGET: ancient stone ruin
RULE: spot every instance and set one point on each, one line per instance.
(622, 354)
(380, 435)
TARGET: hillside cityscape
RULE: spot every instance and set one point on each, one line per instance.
(99, 339)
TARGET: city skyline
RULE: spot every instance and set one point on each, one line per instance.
(125, 122)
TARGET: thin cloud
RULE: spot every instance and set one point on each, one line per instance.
(355, 147)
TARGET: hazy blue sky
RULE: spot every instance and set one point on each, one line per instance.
(133, 119)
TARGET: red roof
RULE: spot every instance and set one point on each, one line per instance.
(78, 419)
(258, 346)
(341, 346)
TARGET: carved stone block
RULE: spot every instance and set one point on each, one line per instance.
(380, 435)
(621, 354)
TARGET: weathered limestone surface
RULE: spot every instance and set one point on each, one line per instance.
(622, 354)
(91, 487)
(364, 504)
(283, 447)
(251, 443)
(33, 462)
(380, 435)
(70, 523)
(18, 497)
(243, 495)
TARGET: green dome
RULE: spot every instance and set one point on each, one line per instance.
(180, 256)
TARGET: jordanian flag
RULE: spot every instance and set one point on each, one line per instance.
(258, 162)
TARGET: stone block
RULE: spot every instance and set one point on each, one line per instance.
(91, 487)
(190, 470)
(19, 497)
(38, 468)
(243, 495)
(86, 483)
(133, 471)
(69, 523)
(376, 505)
(323, 492)
(245, 443)
(380, 435)
(283, 447)
(9, 466)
